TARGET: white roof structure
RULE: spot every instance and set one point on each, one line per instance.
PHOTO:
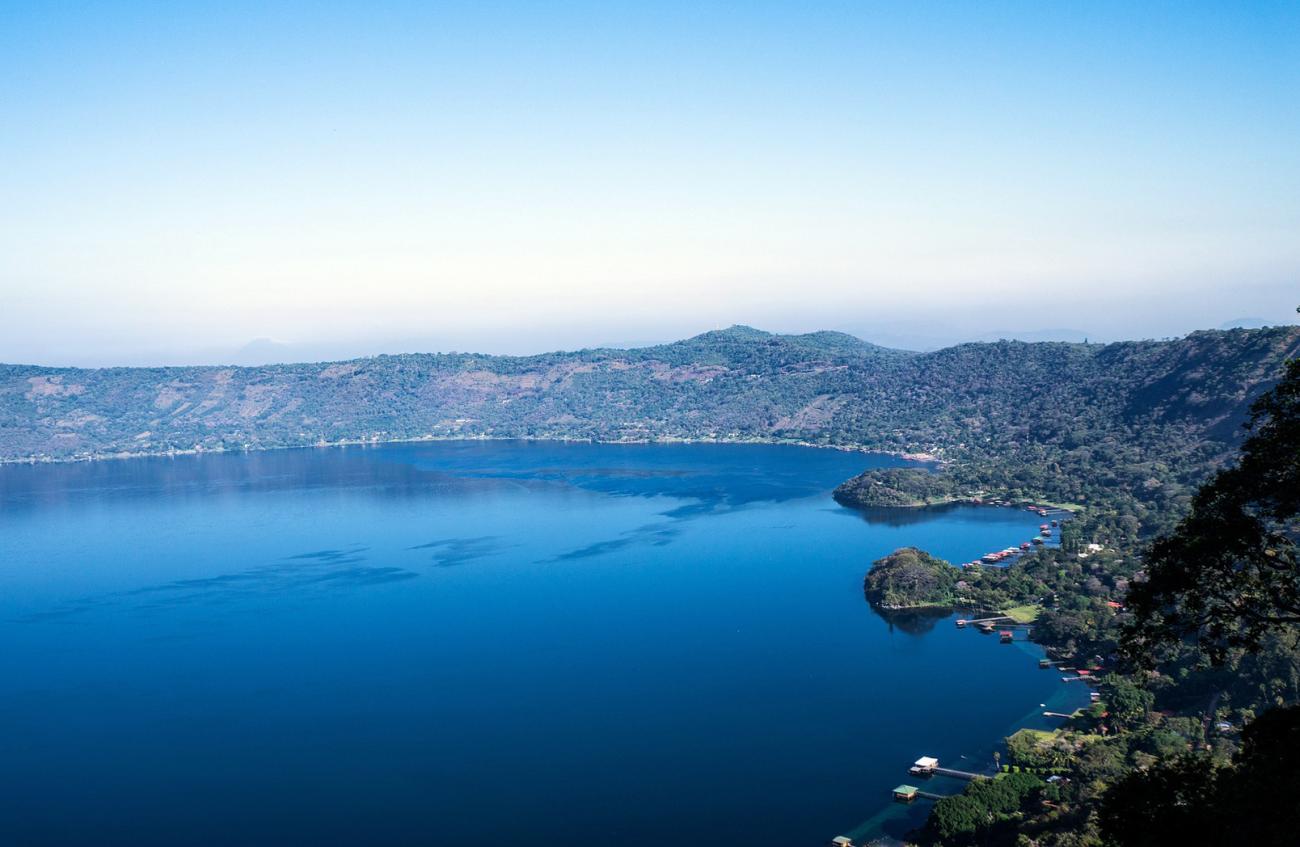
(927, 762)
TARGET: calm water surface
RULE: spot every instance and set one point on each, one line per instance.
(467, 643)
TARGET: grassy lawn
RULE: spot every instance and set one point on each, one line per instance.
(1024, 614)
(1069, 507)
(1042, 736)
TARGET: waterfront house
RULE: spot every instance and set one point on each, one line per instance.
(841, 841)
(905, 793)
(924, 766)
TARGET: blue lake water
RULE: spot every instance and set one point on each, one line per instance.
(477, 642)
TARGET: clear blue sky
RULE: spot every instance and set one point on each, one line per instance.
(176, 180)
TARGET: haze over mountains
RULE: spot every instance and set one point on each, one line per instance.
(734, 384)
(1050, 317)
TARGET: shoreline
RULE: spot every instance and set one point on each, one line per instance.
(871, 831)
(920, 457)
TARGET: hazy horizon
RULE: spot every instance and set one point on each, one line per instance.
(344, 181)
(267, 351)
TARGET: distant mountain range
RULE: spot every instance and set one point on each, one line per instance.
(734, 384)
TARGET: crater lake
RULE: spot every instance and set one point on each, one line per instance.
(460, 643)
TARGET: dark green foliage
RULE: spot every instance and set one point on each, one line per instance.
(1224, 586)
(1191, 799)
(984, 810)
(1230, 574)
(1173, 804)
(1004, 795)
(1028, 750)
(1071, 538)
(954, 817)
(910, 577)
(1129, 705)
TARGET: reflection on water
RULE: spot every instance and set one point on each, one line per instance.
(913, 621)
(448, 552)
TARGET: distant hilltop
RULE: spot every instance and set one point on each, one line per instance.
(737, 384)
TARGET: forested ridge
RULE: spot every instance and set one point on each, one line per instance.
(1071, 401)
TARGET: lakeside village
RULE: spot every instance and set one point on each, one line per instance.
(1005, 624)
(1045, 532)
(927, 767)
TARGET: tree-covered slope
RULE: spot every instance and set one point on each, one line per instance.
(732, 384)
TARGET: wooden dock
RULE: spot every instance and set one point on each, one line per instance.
(930, 796)
(958, 774)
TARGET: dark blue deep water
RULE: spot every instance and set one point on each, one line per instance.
(476, 642)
